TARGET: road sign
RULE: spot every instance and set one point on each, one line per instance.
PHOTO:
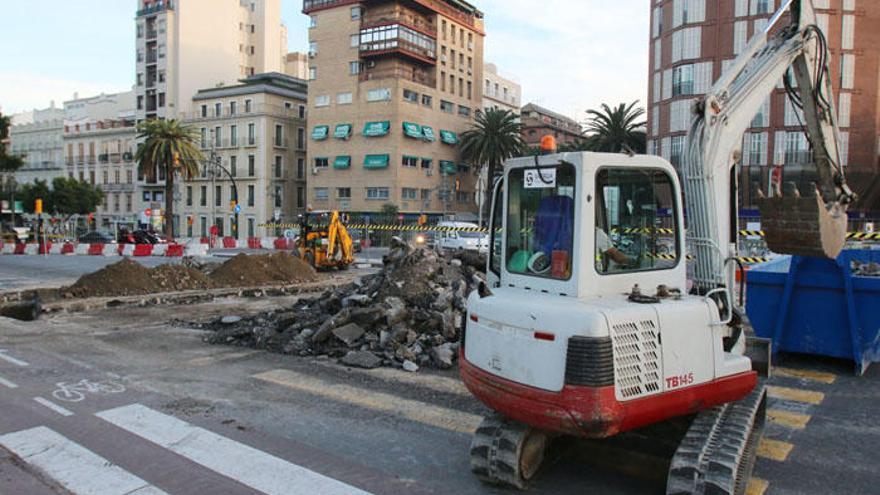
(238, 208)
(289, 234)
(148, 212)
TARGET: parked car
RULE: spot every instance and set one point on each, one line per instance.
(460, 239)
(97, 237)
(149, 237)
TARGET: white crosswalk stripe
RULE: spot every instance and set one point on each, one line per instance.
(247, 465)
(73, 466)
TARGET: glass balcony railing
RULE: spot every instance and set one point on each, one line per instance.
(156, 7)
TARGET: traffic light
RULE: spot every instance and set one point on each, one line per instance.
(232, 205)
(38, 206)
(189, 220)
(176, 159)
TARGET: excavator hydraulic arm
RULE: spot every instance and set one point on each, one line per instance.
(340, 245)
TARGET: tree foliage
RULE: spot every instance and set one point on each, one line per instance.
(170, 147)
(495, 136)
(615, 129)
(64, 197)
(8, 163)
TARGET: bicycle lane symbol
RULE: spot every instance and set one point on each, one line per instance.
(77, 392)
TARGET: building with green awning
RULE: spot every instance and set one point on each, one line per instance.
(342, 162)
(342, 131)
(428, 134)
(376, 161)
(377, 129)
(320, 132)
(412, 130)
(448, 137)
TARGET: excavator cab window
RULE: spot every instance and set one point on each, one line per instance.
(635, 221)
(540, 221)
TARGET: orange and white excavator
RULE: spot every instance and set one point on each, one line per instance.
(324, 241)
(588, 325)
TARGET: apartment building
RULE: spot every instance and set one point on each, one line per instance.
(183, 46)
(500, 92)
(36, 137)
(256, 131)
(693, 41)
(538, 122)
(99, 145)
(393, 83)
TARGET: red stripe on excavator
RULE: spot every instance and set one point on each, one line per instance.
(545, 336)
(596, 412)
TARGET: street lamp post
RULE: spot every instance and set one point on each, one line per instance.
(214, 165)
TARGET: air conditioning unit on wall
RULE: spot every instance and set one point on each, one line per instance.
(314, 170)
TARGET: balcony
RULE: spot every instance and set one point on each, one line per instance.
(280, 142)
(152, 57)
(156, 7)
(405, 73)
(400, 39)
(152, 34)
(311, 5)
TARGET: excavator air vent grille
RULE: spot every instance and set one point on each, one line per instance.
(636, 358)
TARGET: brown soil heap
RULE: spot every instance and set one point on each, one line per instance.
(246, 271)
(125, 278)
(179, 277)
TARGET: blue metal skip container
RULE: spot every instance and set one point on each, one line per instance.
(817, 306)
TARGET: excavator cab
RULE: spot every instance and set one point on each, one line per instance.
(324, 241)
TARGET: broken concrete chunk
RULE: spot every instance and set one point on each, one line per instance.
(410, 366)
(230, 320)
(362, 359)
(443, 355)
(349, 333)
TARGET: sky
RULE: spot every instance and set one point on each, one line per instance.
(568, 55)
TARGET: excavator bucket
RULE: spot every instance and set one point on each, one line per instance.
(803, 226)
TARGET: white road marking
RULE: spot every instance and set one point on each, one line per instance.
(6, 383)
(73, 466)
(53, 406)
(437, 383)
(10, 359)
(247, 465)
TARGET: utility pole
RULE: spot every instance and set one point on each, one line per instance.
(210, 167)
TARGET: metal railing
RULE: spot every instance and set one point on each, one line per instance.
(408, 74)
(156, 7)
(240, 112)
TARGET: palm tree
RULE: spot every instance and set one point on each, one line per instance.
(8, 163)
(614, 129)
(495, 136)
(171, 148)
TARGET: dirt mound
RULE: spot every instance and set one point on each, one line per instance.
(124, 278)
(254, 270)
(179, 277)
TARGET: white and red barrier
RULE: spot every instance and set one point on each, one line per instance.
(184, 247)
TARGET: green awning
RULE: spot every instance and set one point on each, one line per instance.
(428, 134)
(464, 167)
(342, 131)
(342, 162)
(412, 130)
(447, 167)
(376, 129)
(448, 137)
(376, 161)
(427, 160)
(320, 132)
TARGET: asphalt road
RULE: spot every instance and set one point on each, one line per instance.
(124, 401)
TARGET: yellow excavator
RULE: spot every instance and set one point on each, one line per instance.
(324, 241)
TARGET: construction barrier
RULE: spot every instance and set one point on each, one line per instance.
(253, 243)
(31, 249)
(95, 249)
(56, 248)
(196, 249)
(8, 248)
(126, 249)
(229, 243)
(142, 250)
(44, 248)
(267, 243)
(174, 250)
(110, 250)
(159, 249)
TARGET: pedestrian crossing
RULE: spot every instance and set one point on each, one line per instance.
(83, 472)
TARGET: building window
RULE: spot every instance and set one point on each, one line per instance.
(322, 162)
(377, 193)
(447, 106)
(233, 166)
(676, 150)
(279, 196)
(250, 197)
(250, 227)
(344, 99)
(232, 107)
(322, 101)
(321, 193)
(247, 106)
(300, 197)
(218, 135)
(409, 194)
(203, 200)
(218, 195)
(279, 135)
(302, 111)
(464, 111)
(189, 196)
(252, 160)
(300, 168)
(381, 94)
(313, 73)
(410, 96)
(683, 80)
(354, 68)
(426, 163)
(355, 40)
(278, 166)
(233, 135)
(300, 138)
(427, 101)
(313, 49)
(252, 134)
(343, 192)
(356, 13)
(313, 21)
(410, 161)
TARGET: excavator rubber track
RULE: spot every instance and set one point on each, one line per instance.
(718, 451)
(507, 453)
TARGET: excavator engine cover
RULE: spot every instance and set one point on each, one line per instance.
(803, 226)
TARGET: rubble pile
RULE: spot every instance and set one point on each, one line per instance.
(177, 278)
(251, 271)
(409, 315)
(124, 278)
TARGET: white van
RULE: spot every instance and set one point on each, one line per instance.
(462, 240)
